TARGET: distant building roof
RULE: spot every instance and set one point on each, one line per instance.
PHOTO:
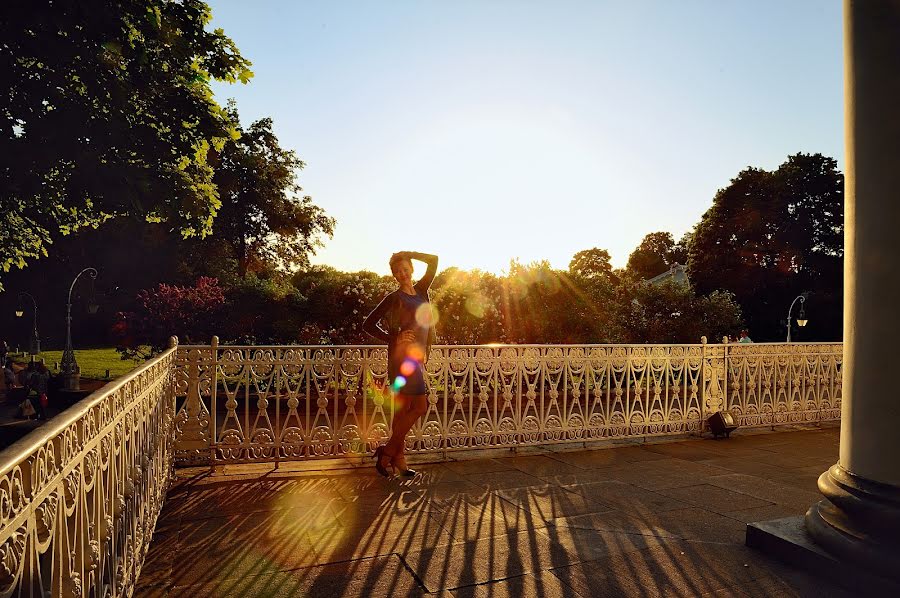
(677, 273)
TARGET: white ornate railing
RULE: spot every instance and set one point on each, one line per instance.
(79, 496)
(271, 403)
(770, 384)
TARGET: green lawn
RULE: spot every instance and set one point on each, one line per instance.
(93, 362)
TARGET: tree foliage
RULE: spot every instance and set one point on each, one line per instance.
(591, 263)
(108, 111)
(263, 217)
(671, 313)
(770, 235)
(656, 254)
(191, 311)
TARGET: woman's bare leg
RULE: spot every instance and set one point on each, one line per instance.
(414, 407)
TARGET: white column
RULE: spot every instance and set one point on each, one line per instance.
(861, 517)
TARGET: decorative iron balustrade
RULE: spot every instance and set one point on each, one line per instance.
(273, 403)
(79, 496)
(784, 383)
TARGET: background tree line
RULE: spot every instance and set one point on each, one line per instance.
(114, 153)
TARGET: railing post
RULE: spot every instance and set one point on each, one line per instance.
(702, 377)
(726, 357)
(172, 409)
(213, 388)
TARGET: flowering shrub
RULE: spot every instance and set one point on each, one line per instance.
(193, 312)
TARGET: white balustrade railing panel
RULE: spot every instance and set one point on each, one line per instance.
(271, 403)
(780, 383)
(80, 495)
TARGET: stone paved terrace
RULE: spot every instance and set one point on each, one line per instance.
(664, 519)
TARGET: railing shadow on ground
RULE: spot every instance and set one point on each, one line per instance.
(343, 533)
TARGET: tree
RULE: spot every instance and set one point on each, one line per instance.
(671, 313)
(108, 112)
(771, 235)
(262, 217)
(591, 263)
(657, 253)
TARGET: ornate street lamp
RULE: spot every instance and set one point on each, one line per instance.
(801, 320)
(71, 373)
(35, 343)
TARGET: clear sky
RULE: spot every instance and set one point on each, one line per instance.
(486, 130)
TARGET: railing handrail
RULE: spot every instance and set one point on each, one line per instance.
(34, 440)
(513, 345)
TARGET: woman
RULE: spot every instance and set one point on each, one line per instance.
(409, 333)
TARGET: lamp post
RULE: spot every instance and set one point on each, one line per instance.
(801, 320)
(35, 342)
(71, 374)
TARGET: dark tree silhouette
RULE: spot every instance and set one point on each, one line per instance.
(263, 217)
(108, 111)
(770, 236)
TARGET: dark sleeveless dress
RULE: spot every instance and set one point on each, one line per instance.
(397, 311)
(413, 378)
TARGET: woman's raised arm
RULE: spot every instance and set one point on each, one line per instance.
(432, 261)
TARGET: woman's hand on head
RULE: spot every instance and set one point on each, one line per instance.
(406, 336)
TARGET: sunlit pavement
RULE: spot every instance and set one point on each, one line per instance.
(640, 520)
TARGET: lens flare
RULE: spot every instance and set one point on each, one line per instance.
(407, 367)
(415, 351)
(399, 382)
(475, 305)
(426, 315)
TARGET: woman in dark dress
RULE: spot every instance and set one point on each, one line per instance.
(408, 330)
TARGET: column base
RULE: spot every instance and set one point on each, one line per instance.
(859, 521)
(788, 541)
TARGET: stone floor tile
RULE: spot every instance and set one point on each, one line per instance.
(161, 552)
(714, 498)
(379, 577)
(379, 537)
(449, 495)
(485, 559)
(436, 473)
(591, 544)
(242, 497)
(505, 479)
(543, 465)
(666, 473)
(805, 479)
(743, 465)
(794, 584)
(688, 451)
(143, 589)
(587, 476)
(494, 516)
(766, 513)
(687, 524)
(761, 488)
(478, 466)
(549, 501)
(627, 498)
(673, 568)
(219, 535)
(260, 555)
(542, 584)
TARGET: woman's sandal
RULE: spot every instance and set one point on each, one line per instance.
(400, 463)
(379, 453)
